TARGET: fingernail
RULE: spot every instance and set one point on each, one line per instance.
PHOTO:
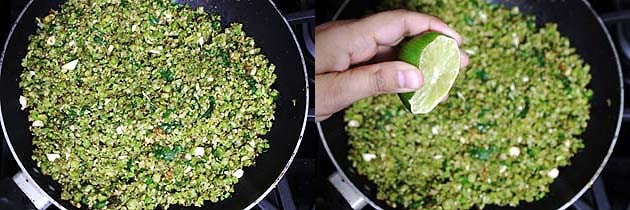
(409, 79)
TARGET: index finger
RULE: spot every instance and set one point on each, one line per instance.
(387, 28)
(355, 42)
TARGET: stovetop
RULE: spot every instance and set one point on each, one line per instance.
(306, 186)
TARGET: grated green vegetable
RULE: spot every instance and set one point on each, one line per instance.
(139, 104)
(512, 118)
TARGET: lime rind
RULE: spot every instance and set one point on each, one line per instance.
(437, 56)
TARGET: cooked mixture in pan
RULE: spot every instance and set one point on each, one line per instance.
(512, 118)
(137, 104)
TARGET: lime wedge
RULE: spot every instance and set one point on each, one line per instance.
(437, 56)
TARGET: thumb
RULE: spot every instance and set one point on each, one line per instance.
(335, 91)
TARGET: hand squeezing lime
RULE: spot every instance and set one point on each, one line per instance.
(437, 56)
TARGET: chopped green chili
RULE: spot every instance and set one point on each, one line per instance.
(130, 110)
(167, 75)
(482, 75)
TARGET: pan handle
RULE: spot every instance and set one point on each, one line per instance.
(20, 193)
(349, 193)
(11, 197)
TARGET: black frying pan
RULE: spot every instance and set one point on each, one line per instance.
(260, 19)
(577, 21)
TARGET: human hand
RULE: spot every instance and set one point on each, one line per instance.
(354, 58)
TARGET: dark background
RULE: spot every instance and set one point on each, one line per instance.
(310, 171)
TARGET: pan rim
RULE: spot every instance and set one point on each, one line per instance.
(4, 130)
(584, 188)
(619, 117)
(254, 202)
(307, 98)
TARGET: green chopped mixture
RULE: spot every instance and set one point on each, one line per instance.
(512, 118)
(138, 104)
